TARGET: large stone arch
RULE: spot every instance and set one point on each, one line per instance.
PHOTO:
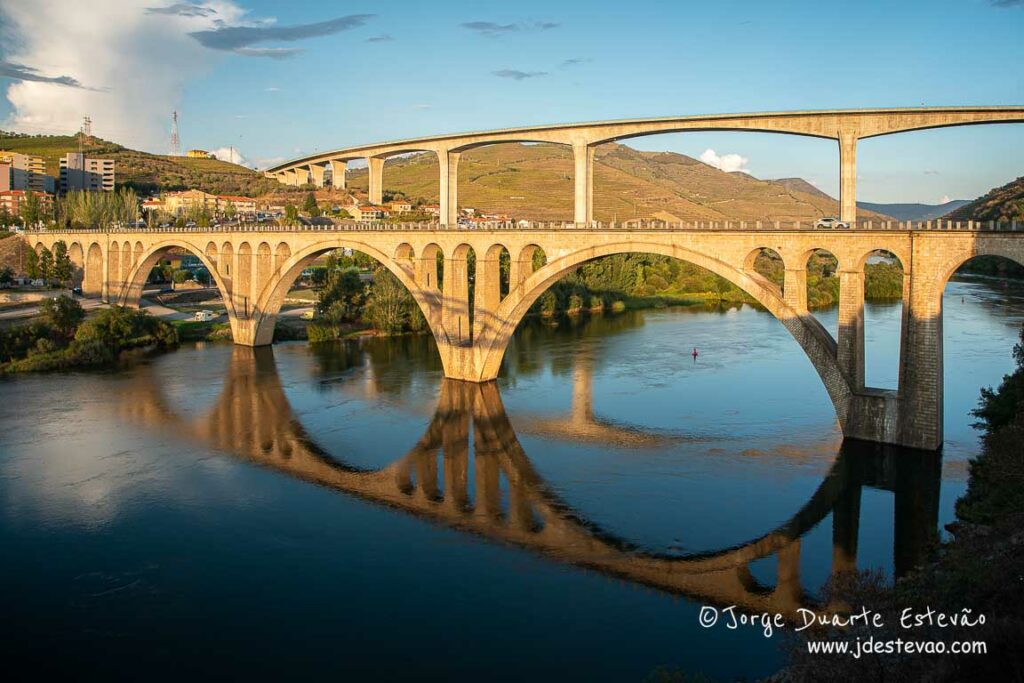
(812, 337)
(1012, 249)
(272, 293)
(131, 294)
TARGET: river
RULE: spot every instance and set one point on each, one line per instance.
(341, 509)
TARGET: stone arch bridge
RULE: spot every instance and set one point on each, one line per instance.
(255, 267)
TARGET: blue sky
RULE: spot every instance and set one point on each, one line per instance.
(427, 72)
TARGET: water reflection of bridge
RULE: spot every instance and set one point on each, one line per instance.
(485, 484)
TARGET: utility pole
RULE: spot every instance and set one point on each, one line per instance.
(175, 140)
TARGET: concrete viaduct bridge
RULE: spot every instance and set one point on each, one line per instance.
(255, 267)
(252, 420)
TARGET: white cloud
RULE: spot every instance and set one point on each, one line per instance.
(421, 106)
(946, 199)
(135, 66)
(229, 154)
(725, 162)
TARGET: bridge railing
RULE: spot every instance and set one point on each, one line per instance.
(613, 226)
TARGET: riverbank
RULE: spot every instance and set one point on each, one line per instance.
(63, 339)
(976, 574)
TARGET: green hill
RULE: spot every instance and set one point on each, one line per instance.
(1004, 203)
(535, 182)
(146, 173)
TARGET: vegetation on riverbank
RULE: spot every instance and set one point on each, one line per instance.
(63, 339)
(980, 570)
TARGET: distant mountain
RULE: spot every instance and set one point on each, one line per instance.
(1004, 203)
(143, 171)
(535, 182)
(801, 185)
(915, 212)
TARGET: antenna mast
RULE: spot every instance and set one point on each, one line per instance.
(175, 140)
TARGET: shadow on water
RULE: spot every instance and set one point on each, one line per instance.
(469, 471)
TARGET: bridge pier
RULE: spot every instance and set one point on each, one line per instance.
(376, 179)
(338, 169)
(848, 176)
(318, 171)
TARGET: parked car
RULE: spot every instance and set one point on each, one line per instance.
(829, 223)
(308, 315)
(77, 291)
(203, 316)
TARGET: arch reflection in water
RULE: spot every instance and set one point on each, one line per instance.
(502, 497)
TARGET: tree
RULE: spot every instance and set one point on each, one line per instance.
(387, 307)
(342, 299)
(30, 209)
(63, 269)
(63, 313)
(5, 217)
(291, 214)
(6, 275)
(310, 206)
(230, 211)
(31, 263)
(46, 264)
(181, 275)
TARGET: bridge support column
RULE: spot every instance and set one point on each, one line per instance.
(583, 156)
(448, 163)
(486, 294)
(921, 381)
(795, 289)
(338, 169)
(376, 169)
(850, 351)
(318, 172)
(290, 177)
(848, 177)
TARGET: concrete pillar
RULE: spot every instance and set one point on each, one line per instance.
(583, 156)
(787, 583)
(921, 381)
(318, 172)
(376, 168)
(455, 313)
(850, 353)
(794, 290)
(448, 163)
(848, 177)
(301, 175)
(338, 169)
(290, 177)
(486, 293)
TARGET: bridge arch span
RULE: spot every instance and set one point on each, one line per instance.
(268, 303)
(130, 293)
(816, 342)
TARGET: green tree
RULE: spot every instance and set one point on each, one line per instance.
(291, 214)
(230, 212)
(5, 217)
(31, 263)
(63, 314)
(63, 269)
(387, 306)
(31, 210)
(46, 264)
(341, 300)
(181, 275)
(310, 206)
(6, 275)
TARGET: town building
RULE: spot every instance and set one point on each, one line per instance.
(13, 199)
(432, 209)
(366, 212)
(400, 206)
(199, 154)
(85, 174)
(182, 202)
(25, 172)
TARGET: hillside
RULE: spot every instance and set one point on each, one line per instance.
(915, 212)
(1004, 203)
(536, 182)
(145, 172)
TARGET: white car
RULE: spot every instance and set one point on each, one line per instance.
(828, 223)
(203, 316)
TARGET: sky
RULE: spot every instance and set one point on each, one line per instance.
(274, 80)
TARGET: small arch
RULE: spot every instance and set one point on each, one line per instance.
(243, 279)
(886, 288)
(92, 282)
(281, 256)
(113, 272)
(431, 267)
(821, 271)
(405, 256)
(227, 257)
(766, 266)
(264, 265)
(139, 249)
(77, 257)
(497, 269)
(211, 253)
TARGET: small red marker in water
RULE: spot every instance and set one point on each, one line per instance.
(695, 354)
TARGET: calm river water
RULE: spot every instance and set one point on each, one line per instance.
(341, 509)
